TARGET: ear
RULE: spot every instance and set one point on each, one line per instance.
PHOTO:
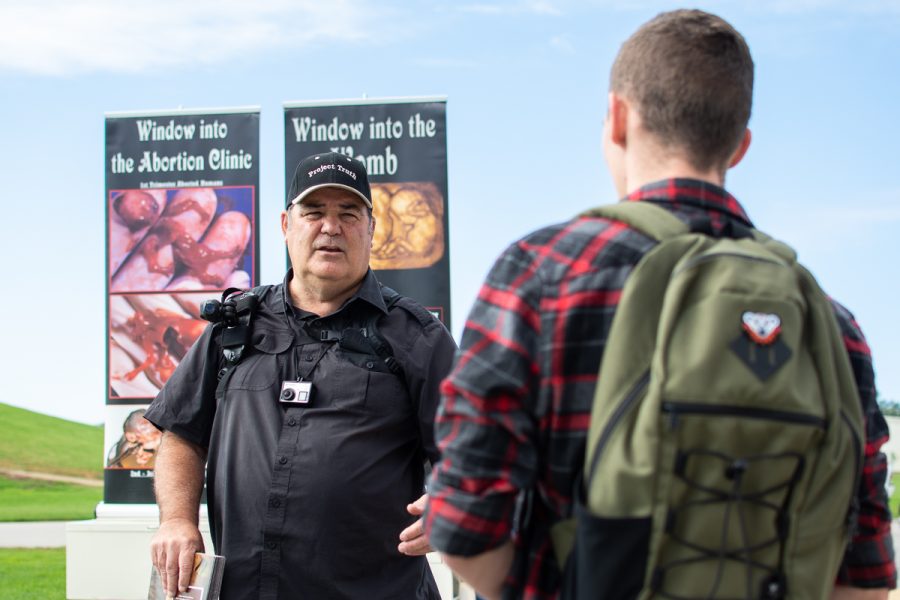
(741, 149)
(284, 222)
(617, 119)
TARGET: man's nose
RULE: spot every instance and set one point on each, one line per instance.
(331, 225)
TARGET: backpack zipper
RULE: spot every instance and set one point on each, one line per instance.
(708, 257)
(853, 511)
(617, 415)
(677, 408)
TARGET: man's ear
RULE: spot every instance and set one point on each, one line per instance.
(618, 120)
(284, 221)
(741, 149)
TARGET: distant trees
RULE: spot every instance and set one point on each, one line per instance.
(890, 408)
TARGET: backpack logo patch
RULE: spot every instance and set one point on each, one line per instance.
(763, 328)
(759, 346)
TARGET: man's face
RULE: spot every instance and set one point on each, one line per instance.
(329, 237)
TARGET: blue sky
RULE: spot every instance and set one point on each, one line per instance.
(526, 87)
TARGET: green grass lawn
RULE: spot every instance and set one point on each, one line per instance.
(30, 441)
(26, 574)
(33, 500)
(894, 502)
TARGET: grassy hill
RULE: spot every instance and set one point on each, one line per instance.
(31, 441)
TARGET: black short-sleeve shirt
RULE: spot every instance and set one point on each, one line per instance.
(308, 501)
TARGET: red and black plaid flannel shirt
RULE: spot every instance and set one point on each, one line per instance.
(516, 407)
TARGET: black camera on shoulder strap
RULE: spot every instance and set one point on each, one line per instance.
(230, 308)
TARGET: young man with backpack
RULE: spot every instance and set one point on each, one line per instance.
(733, 449)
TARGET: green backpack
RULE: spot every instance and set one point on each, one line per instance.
(725, 444)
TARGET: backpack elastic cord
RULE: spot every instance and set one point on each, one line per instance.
(734, 500)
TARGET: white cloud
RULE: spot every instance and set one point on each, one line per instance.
(563, 44)
(874, 219)
(542, 8)
(864, 7)
(446, 63)
(534, 7)
(59, 37)
(484, 9)
(842, 218)
(871, 7)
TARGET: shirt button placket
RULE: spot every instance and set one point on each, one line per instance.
(277, 504)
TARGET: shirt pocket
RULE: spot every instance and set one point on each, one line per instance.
(260, 367)
(359, 384)
(387, 392)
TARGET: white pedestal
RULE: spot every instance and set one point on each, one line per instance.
(108, 558)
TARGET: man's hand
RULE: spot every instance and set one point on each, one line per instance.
(485, 572)
(172, 550)
(412, 539)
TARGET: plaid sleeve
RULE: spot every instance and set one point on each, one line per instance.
(483, 427)
(869, 561)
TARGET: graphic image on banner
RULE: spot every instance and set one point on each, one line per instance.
(403, 144)
(182, 195)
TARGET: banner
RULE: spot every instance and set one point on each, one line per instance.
(182, 195)
(403, 144)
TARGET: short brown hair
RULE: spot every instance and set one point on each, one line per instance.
(690, 75)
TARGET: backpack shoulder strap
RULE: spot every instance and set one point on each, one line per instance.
(377, 341)
(651, 220)
(779, 249)
(659, 224)
(419, 312)
(381, 346)
(233, 339)
(390, 296)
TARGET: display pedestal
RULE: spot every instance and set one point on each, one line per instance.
(108, 558)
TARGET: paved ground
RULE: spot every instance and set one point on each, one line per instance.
(49, 534)
(51, 477)
(52, 534)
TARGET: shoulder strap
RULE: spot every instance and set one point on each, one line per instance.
(780, 249)
(381, 346)
(649, 219)
(659, 224)
(371, 338)
(379, 343)
(235, 338)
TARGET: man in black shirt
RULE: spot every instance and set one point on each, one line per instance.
(315, 499)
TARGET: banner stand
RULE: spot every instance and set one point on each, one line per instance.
(185, 176)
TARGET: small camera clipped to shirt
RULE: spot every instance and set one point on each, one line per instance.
(295, 392)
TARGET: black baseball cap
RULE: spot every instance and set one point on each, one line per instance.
(329, 169)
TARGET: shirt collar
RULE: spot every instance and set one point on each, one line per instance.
(369, 292)
(693, 192)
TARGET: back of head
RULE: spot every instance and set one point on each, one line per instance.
(690, 75)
